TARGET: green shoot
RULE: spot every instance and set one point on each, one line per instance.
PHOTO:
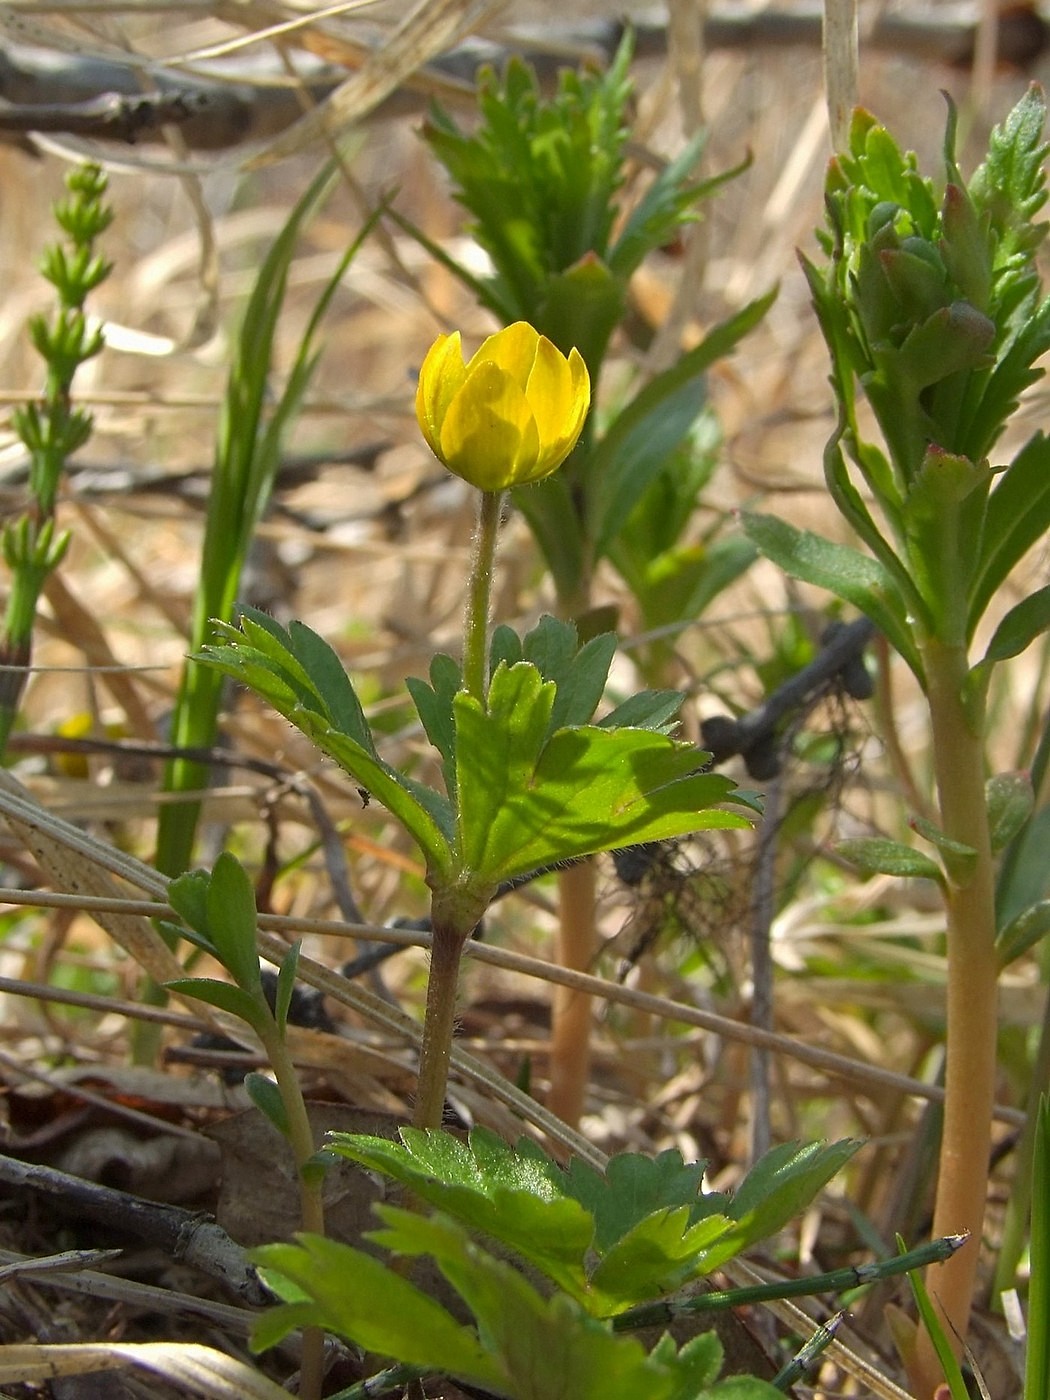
(218, 915)
(52, 429)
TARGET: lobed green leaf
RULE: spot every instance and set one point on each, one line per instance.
(525, 803)
(357, 1297)
(512, 1194)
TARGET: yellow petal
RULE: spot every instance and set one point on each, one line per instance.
(550, 391)
(559, 394)
(513, 349)
(440, 376)
(489, 435)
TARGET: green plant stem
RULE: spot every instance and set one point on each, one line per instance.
(452, 919)
(836, 1281)
(476, 621)
(957, 725)
(1015, 1221)
(311, 1203)
(439, 1022)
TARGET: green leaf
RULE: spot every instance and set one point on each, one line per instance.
(785, 1180)
(648, 709)
(633, 1187)
(553, 647)
(512, 1194)
(1010, 185)
(286, 984)
(698, 1362)
(1025, 621)
(658, 1255)
(188, 896)
(1023, 932)
(223, 995)
(850, 575)
(657, 419)
(355, 1296)
(959, 858)
(666, 205)
(261, 654)
(1018, 515)
(882, 484)
(331, 683)
(433, 704)
(526, 802)
(933, 1321)
(582, 686)
(266, 1097)
(247, 455)
(545, 1346)
(232, 921)
(581, 307)
(553, 514)
(683, 582)
(943, 516)
(498, 749)
(1010, 801)
(876, 855)
(741, 1388)
(539, 174)
(658, 523)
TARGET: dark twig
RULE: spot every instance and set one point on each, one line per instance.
(48, 91)
(108, 117)
(755, 736)
(185, 1235)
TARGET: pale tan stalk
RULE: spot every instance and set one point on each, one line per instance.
(972, 1004)
(571, 1022)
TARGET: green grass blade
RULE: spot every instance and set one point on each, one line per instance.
(941, 1345)
(1037, 1368)
(246, 461)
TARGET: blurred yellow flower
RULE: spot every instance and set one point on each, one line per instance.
(510, 415)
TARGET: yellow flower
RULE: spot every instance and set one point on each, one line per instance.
(509, 416)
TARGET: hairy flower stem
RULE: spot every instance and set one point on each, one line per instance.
(454, 913)
(957, 722)
(476, 621)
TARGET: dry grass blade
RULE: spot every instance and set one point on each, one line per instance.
(203, 1370)
(840, 66)
(81, 865)
(62, 1273)
(73, 868)
(431, 27)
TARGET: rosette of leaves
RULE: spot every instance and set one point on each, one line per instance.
(530, 778)
(594, 1243)
(932, 310)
